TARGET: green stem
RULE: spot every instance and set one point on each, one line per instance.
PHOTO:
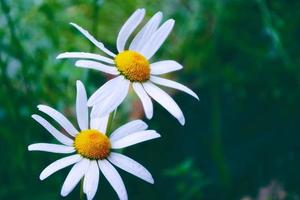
(217, 150)
(217, 147)
(109, 123)
(81, 190)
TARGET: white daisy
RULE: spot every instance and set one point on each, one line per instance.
(132, 66)
(93, 150)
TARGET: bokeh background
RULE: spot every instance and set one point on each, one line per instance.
(241, 140)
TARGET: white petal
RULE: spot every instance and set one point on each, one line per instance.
(57, 134)
(85, 56)
(129, 26)
(113, 178)
(105, 90)
(74, 176)
(59, 164)
(100, 45)
(91, 180)
(110, 103)
(53, 148)
(130, 166)
(60, 118)
(173, 84)
(145, 99)
(100, 124)
(82, 112)
(165, 100)
(128, 128)
(165, 66)
(145, 33)
(134, 138)
(157, 39)
(97, 66)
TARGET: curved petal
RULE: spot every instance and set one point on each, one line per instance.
(145, 99)
(53, 148)
(100, 124)
(113, 178)
(82, 112)
(59, 164)
(97, 66)
(57, 134)
(105, 90)
(134, 138)
(145, 33)
(98, 44)
(157, 39)
(74, 176)
(110, 103)
(85, 56)
(130, 166)
(128, 128)
(129, 26)
(91, 180)
(165, 66)
(165, 100)
(173, 84)
(60, 118)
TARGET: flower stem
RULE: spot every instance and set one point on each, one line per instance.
(81, 190)
(109, 123)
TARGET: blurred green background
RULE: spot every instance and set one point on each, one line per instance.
(241, 141)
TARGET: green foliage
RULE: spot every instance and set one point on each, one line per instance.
(241, 57)
(190, 180)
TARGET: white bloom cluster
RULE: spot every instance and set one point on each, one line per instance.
(92, 147)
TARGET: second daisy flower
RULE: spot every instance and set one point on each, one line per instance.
(133, 66)
(92, 148)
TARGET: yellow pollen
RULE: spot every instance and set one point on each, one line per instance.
(92, 144)
(134, 66)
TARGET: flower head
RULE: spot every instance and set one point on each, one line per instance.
(132, 66)
(92, 144)
(92, 148)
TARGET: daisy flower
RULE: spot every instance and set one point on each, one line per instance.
(132, 66)
(92, 149)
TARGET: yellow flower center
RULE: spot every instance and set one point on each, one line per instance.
(134, 66)
(92, 144)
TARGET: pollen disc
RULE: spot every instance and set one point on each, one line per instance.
(92, 144)
(134, 66)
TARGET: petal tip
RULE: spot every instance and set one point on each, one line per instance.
(151, 181)
(157, 135)
(159, 13)
(149, 116)
(79, 83)
(40, 106)
(63, 193)
(42, 177)
(141, 10)
(193, 94)
(90, 102)
(182, 120)
(78, 63)
(59, 56)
